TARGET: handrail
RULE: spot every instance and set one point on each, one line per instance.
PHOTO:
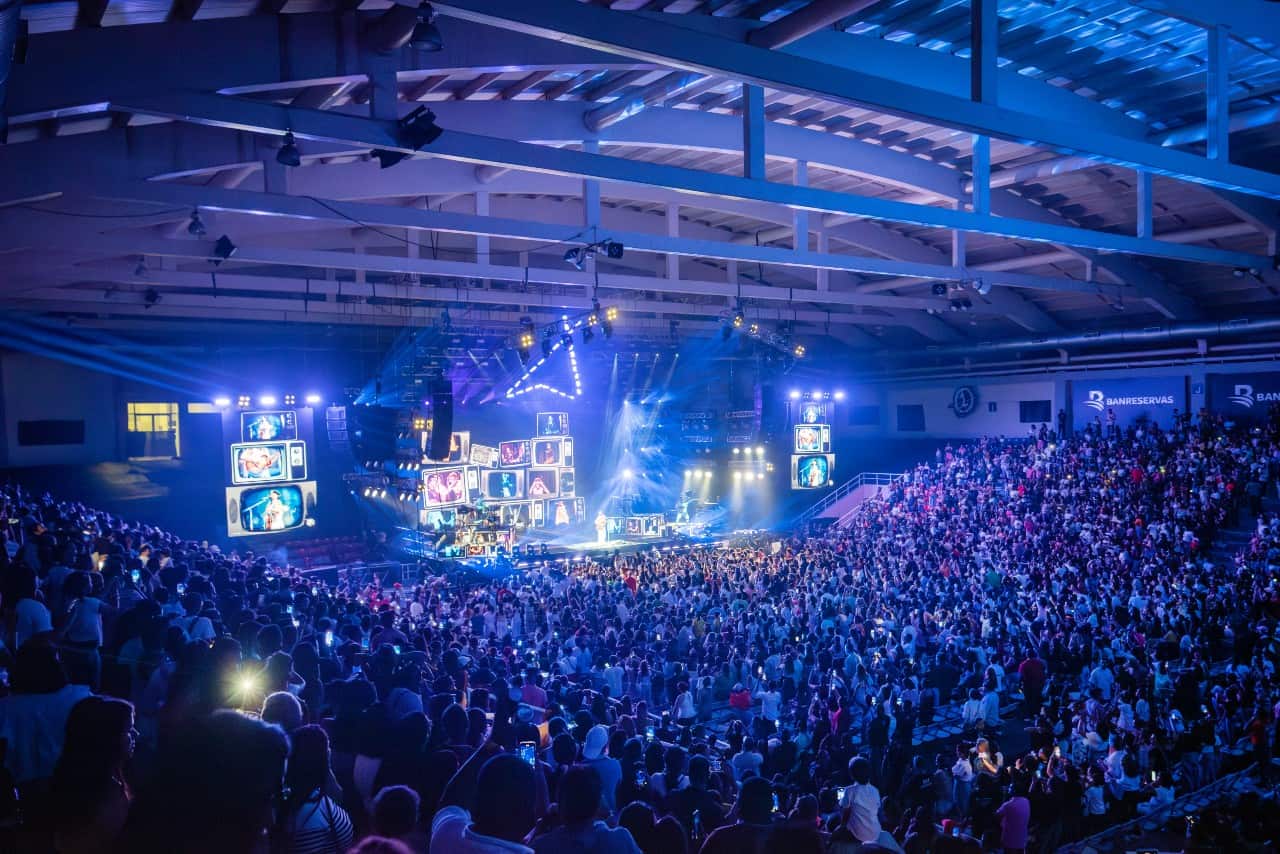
(865, 478)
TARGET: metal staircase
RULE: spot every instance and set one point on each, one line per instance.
(866, 478)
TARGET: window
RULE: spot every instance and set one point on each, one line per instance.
(1034, 411)
(152, 431)
(51, 432)
(911, 418)
(864, 416)
(202, 409)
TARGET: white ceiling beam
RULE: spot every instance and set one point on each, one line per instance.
(658, 39)
(474, 148)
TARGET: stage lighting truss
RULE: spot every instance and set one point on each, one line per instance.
(556, 338)
(736, 320)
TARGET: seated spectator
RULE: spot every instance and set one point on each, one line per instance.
(314, 823)
(33, 719)
(90, 793)
(578, 803)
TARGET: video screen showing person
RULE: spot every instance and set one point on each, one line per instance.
(459, 447)
(268, 509)
(258, 463)
(811, 471)
(439, 520)
(812, 439)
(514, 454)
(265, 462)
(568, 483)
(547, 452)
(813, 413)
(553, 424)
(503, 485)
(268, 426)
(517, 515)
(566, 512)
(443, 487)
(544, 483)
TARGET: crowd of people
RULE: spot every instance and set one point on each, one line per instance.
(1057, 597)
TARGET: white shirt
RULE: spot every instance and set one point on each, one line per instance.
(32, 619)
(864, 812)
(451, 833)
(35, 727)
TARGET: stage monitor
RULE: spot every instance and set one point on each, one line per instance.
(548, 452)
(517, 514)
(439, 520)
(502, 485)
(812, 471)
(514, 454)
(484, 456)
(269, 509)
(812, 439)
(444, 487)
(553, 424)
(268, 462)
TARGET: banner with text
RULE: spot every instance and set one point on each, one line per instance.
(1244, 397)
(1151, 399)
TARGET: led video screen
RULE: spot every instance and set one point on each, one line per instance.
(568, 484)
(544, 483)
(485, 456)
(503, 485)
(565, 512)
(439, 519)
(269, 509)
(812, 439)
(514, 454)
(547, 452)
(442, 487)
(553, 424)
(812, 412)
(268, 462)
(268, 426)
(812, 471)
(518, 514)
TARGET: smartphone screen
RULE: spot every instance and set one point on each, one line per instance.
(648, 733)
(776, 807)
(182, 589)
(842, 795)
(528, 752)
(396, 647)
(356, 670)
(328, 638)
(136, 575)
(288, 609)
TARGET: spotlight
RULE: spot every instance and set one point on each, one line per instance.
(288, 155)
(290, 399)
(546, 343)
(587, 334)
(818, 395)
(267, 400)
(839, 395)
(759, 475)
(759, 451)
(982, 286)
(566, 339)
(223, 249)
(939, 289)
(150, 297)
(313, 399)
(243, 401)
(613, 249)
(576, 257)
(426, 35)
(737, 475)
(754, 329)
(688, 473)
(627, 474)
(611, 313)
(196, 227)
(794, 394)
(737, 451)
(222, 402)
(416, 130)
(798, 350)
(738, 319)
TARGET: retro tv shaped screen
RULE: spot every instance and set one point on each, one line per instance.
(553, 424)
(268, 426)
(812, 471)
(269, 509)
(812, 438)
(502, 485)
(548, 452)
(543, 483)
(565, 512)
(443, 487)
(268, 462)
(514, 454)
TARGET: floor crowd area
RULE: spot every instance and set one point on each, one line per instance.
(1013, 648)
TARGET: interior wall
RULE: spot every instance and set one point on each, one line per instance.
(39, 389)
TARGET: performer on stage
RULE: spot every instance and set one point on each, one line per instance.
(601, 521)
(273, 515)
